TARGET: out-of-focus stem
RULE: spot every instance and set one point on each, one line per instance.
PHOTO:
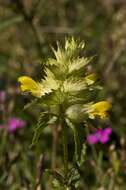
(37, 37)
(40, 172)
(29, 18)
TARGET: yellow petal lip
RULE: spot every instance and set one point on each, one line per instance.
(104, 105)
(29, 85)
(99, 109)
(27, 81)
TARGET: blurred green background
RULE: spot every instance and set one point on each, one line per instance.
(28, 29)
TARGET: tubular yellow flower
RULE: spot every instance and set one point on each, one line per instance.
(29, 85)
(91, 78)
(99, 109)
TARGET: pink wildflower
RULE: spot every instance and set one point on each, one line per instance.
(13, 124)
(101, 135)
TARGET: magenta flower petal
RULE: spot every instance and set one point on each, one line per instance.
(92, 139)
(104, 139)
(105, 135)
(107, 130)
(101, 135)
(15, 123)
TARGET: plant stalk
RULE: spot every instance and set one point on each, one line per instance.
(65, 151)
(54, 147)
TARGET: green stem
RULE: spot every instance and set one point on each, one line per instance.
(65, 151)
(92, 147)
(77, 144)
(54, 147)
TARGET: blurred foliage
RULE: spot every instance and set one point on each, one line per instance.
(27, 28)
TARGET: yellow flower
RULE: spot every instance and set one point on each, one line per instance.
(29, 85)
(99, 109)
(91, 78)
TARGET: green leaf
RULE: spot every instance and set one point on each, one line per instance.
(76, 139)
(11, 21)
(56, 185)
(32, 103)
(56, 175)
(73, 176)
(83, 156)
(42, 123)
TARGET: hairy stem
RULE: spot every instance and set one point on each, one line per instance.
(54, 147)
(65, 151)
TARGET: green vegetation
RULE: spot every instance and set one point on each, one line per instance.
(56, 132)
